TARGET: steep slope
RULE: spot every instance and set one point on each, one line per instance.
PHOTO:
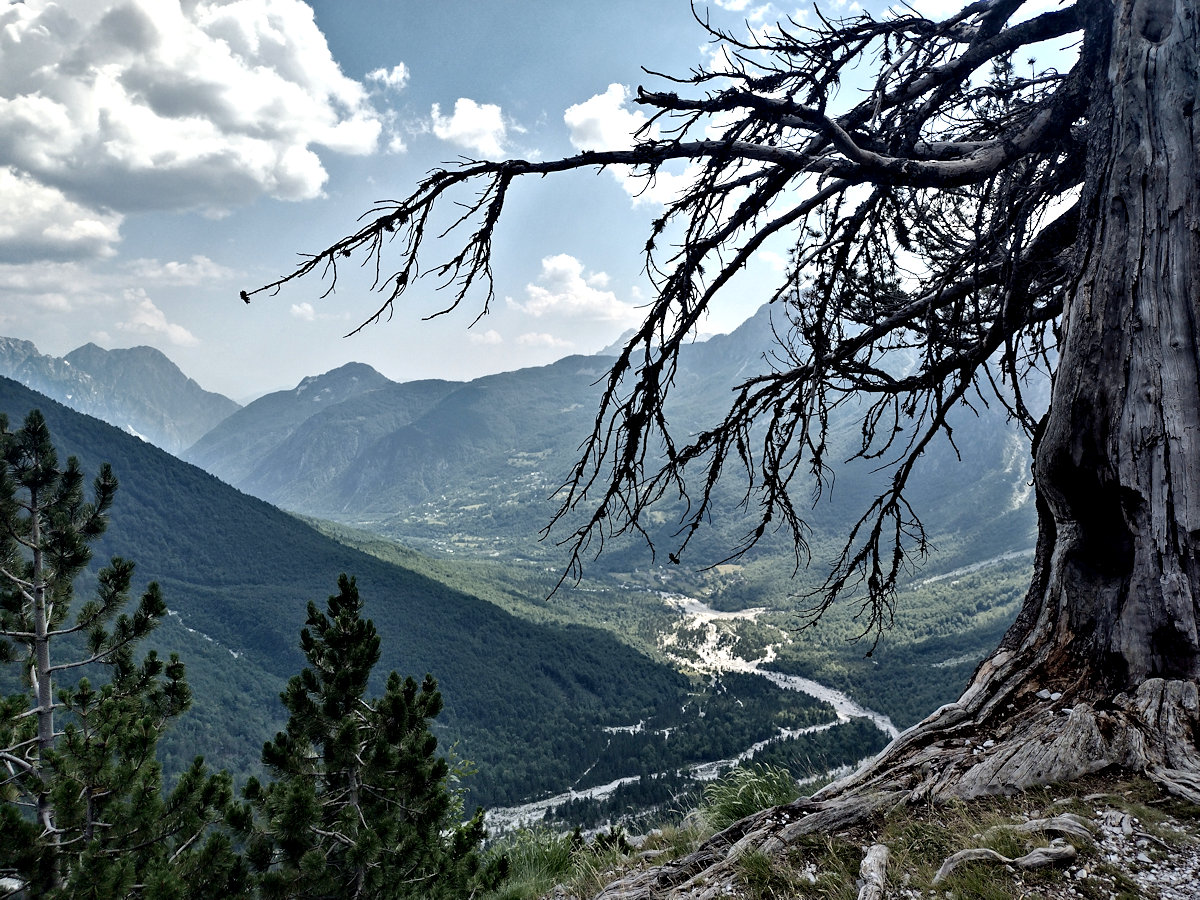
(525, 700)
(139, 390)
(475, 470)
(234, 448)
(319, 451)
(489, 444)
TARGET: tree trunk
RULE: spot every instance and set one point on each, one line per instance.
(40, 674)
(1118, 464)
(1101, 666)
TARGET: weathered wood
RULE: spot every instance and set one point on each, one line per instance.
(1067, 823)
(873, 872)
(1118, 465)
(1041, 856)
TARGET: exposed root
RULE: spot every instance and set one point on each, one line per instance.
(958, 753)
(1182, 783)
(1058, 851)
(1005, 735)
(873, 873)
(769, 831)
(1068, 824)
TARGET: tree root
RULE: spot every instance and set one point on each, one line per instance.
(1005, 735)
(1068, 824)
(1058, 851)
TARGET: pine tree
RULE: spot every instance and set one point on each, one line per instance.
(360, 805)
(82, 810)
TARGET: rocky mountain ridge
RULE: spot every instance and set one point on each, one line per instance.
(138, 389)
(472, 467)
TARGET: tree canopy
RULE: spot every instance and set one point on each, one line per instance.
(967, 219)
(83, 808)
(360, 805)
(934, 221)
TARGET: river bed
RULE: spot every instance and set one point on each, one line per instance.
(716, 653)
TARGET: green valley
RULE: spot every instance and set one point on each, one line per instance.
(433, 494)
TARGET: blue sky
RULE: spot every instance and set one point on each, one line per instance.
(157, 156)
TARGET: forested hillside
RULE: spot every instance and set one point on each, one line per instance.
(465, 471)
(521, 698)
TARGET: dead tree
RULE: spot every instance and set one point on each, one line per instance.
(989, 216)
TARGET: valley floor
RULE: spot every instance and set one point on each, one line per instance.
(709, 645)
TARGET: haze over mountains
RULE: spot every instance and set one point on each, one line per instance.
(467, 470)
(138, 390)
(472, 466)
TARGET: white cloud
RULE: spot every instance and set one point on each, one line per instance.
(773, 259)
(197, 270)
(41, 222)
(479, 127)
(541, 339)
(395, 78)
(604, 122)
(125, 105)
(489, 337)
(760, 16)
(55, 303)
(564, 289)
(304, 311)
(146, 318)
(69, 286)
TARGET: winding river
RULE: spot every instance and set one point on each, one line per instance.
(715, 653)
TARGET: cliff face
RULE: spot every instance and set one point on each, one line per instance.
(138, 390)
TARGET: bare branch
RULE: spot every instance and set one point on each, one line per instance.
(924, 219)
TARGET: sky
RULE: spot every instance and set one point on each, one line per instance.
(159, 156)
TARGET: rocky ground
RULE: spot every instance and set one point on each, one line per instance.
(1120, 839)
(1131, 857)
(1127, 858)
(1138, 847)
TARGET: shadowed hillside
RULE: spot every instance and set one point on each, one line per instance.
(237, 573)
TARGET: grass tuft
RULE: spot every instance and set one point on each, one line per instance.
(746, 790)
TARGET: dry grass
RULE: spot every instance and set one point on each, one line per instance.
(919, 839)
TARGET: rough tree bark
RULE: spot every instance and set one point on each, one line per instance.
(1118, 464)
(1110, 618)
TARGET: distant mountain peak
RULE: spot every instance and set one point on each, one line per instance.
(352, 373)
(138, 389)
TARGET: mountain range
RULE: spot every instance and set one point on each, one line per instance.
(472, 467)
(138, 390)
(524, 700)
(466, 471)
